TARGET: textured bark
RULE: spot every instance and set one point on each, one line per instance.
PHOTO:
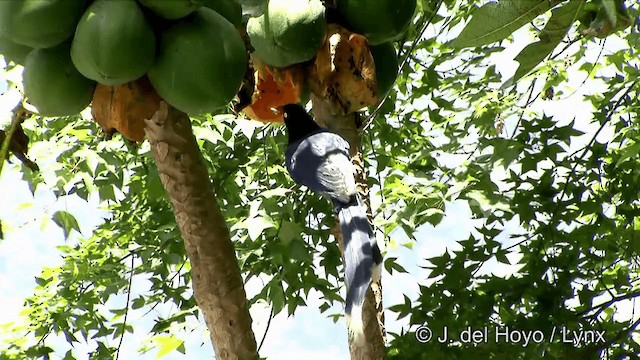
(16, 142)
(372, 344)
(217, 283)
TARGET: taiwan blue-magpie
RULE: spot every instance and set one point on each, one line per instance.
(319, 159)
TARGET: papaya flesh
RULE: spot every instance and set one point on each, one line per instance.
(53, 85)
(113, 43)
(123, 108)
(272, 91)
(200, 64)
(343, 72)
(38, 23)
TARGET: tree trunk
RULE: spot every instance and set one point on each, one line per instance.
(372, 345)
(217, 282)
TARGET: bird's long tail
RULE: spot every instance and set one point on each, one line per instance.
(362, 259)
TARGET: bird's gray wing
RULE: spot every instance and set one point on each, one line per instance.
(321, 162)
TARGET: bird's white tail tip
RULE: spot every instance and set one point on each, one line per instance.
(354, 323)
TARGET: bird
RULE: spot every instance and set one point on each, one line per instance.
(319, 159)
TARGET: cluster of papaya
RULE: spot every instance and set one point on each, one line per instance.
(124, 54)
(342, 50)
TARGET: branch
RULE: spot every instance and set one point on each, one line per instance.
(266, 330)
(606, 304)
(589, 145)
(9, 142)
(126, 312)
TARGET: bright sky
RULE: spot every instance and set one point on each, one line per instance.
(31, 239)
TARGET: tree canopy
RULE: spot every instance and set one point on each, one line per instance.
(523, 112)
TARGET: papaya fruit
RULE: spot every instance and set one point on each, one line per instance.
(123, 108)
(113, 43)
(14, 52)
(288, 32)
(201, 63)
(343, 72)
(171, 9)
(272, 91)
(386, 63)
(379, 20)
(53, 85)
(39, 23)
(230, 9)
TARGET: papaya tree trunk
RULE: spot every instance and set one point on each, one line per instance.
(372, 344)
(217, 282)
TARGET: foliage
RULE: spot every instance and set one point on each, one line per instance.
(566, 187)
(554, 197)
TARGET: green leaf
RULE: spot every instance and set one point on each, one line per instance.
(609, 7)
(397, 267)
(137, 303)
(289, 231)
(553, 32)
(24, 205)
(68, 356)
(42, 281)
(391, 264)
(501, 256)
(66, 221)
(480, 199)
(276, 295)
(629, 152)
(167, 345)
(278, 192)
(154, 186)
(256, 225)
(496, 21)
(634, 243)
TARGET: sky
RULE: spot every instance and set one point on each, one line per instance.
(31, 239)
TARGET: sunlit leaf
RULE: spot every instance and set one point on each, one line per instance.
(495, 21)
(167, 344)
(66, 222)
(554, 31)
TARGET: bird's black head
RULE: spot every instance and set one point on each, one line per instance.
(299, 123)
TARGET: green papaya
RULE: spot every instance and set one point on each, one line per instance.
(113, 43)
(379, 20)
(386, 63)
(289, 31)
(172, 9)
(14, 52)
(39, 23)
(200, 64)
(230, 9)
(53, 85)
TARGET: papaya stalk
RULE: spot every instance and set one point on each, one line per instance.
(217, 282)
